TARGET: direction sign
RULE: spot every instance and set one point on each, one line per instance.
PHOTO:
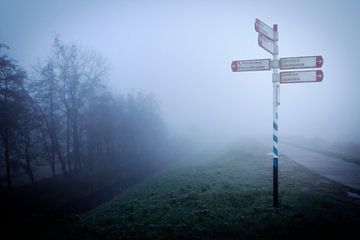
(250, 65)
(263, 28)
(267, 44)
(301, 62)
(301, 76)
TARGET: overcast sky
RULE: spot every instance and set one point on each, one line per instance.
(182, 51)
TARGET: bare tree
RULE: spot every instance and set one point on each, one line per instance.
(11, 89)
(45, 90)
(80, 76)
(28, 133)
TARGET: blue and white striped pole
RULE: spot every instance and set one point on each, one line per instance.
(276, 85)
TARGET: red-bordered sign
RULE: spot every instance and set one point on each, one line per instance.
(263, 28)
(301, 62)
(301, 76)
(267, 44)
(250, 65)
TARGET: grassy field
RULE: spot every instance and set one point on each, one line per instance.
(227, 197)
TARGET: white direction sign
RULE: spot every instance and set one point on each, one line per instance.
(263, 28)
(301, 62)
(267, 44)
(301, 76)
(250, 65)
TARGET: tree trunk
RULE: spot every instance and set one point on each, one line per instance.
(6, 140)
(76, 139)
(68, 139)
(62, 162)
(52, 127)
(90, 154)
(52, 160)
(7, 160)
(28, 160)
(49, 153)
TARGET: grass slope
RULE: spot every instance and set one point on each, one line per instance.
(229, 197)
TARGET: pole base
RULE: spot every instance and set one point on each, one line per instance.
(275, 183)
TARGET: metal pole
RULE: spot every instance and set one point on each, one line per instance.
(275, 80)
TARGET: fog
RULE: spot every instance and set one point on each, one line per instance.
(124, 120)
(181, 52)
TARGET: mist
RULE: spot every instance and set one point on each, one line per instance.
(149, 117)
(181, 52)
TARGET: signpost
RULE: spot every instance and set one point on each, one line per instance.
(268, 40)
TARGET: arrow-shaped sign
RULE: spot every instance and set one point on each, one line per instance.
(263, 28)
(301, 76)
(267, 44)
(250, 65)
(301, 62)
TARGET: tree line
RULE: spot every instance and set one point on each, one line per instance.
(63, 115)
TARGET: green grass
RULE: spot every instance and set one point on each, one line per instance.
(229, 197)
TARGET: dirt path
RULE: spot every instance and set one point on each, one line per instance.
(335, 169)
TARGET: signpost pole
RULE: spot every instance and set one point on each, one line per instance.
(268, 40)
(276, 86)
